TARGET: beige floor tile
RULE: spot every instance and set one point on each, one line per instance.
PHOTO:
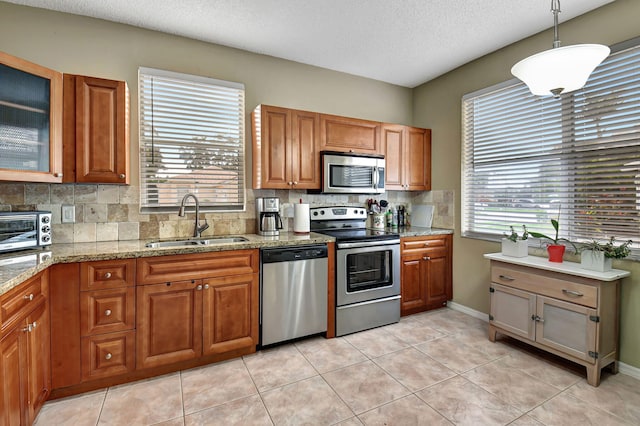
(618, 394)
(173, 422)
(143, 403)
(465, 403)
(77, 410)
(330, 354)
(249, 411)
(541, 369)
(478, 338)
(277, 367)
(309, 401)
(454, 354)
(353, 421)
(409, 410)
(231, 379)
(412, 332)
(364, 386)
(376, 342)
(414, 369)
(564, 409)
(525, 420)
(512, 386)
(449, 321)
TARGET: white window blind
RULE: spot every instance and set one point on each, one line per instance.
(191, 140)
(525, 157)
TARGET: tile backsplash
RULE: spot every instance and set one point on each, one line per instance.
(111, 212)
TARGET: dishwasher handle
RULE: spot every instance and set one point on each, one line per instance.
(292, 254)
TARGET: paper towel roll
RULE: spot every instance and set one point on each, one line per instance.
(301, 218)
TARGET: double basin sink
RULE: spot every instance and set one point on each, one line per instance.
(195, 242)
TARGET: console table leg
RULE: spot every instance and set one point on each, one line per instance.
(492, 333)
(614, 367)
(593, 375)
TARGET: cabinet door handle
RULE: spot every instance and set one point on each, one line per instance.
(199, 287)
(108, 356)
(507, 278)
(122, 175)
(206, 286)
(28, 297)
(572, 293)
(107, 312)
(34, 325)
(57, 174)
(426, 258)
(107, 275)
(295, 182)
(29, 328)
(289, 183)
(537, 318)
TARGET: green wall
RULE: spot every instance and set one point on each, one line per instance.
(437, 104)
(79, 45)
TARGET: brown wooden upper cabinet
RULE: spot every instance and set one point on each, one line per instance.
(285, 148)
(96, 130)
(407, 153)
(30, 121)
(349, 135)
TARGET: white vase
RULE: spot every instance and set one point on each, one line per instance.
(519, 248)
(594, 261)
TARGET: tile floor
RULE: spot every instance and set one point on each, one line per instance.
(435, 368)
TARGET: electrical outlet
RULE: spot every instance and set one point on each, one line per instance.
(68, 214)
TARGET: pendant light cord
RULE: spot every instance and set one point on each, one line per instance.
(555, 9)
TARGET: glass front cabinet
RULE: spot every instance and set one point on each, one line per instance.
(30, 121)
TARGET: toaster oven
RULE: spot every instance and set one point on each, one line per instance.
(24, 230)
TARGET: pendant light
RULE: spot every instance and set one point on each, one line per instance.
(560, 69)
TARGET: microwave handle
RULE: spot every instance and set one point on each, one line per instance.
(376, 177)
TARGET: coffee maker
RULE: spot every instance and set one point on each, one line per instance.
(268, 216)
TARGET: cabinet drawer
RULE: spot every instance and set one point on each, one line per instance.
(420, 243)
(160, 269)
(105, 274)
(546, 284)
(21, 300)
(106, 311)
(108, 355)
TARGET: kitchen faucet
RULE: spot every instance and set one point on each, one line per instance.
(197, 230)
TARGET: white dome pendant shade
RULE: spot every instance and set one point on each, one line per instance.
(561, 69)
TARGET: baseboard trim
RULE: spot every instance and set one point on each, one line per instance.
(469, 311)
(626, 369)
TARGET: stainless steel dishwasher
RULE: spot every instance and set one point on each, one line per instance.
(293, 292)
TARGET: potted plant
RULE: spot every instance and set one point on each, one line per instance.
(554, 248)
(514, 245)
(597, 256)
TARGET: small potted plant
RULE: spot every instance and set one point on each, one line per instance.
(554, 248)
(597, 256)
(514, 245)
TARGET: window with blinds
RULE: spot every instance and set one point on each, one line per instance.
(191, 141)
(528, 159)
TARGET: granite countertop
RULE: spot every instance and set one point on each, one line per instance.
(418, 231)
(17, 267)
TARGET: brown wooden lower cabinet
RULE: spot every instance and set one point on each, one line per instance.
(426, 274)
(24, 354)
(126, 319)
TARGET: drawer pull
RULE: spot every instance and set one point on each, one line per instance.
(572, 293)
(426, 243)
(28, 297)
(107, 275)
(108, 356)
(426, 258)
(507, 278)
(107, 312)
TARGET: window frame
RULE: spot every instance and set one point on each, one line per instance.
(220, 124)
(567, 224)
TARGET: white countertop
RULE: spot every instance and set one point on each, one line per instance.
(571, 268)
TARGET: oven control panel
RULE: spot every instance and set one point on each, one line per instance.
(337, 213)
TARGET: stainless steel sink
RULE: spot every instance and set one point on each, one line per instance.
(195, 242)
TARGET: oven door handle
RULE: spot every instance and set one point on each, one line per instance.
(368, 244)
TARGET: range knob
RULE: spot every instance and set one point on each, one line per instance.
(315, 213)
(46, 238)
(46, 229)
(45, 219)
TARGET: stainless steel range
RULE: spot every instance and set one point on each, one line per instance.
(367, 269)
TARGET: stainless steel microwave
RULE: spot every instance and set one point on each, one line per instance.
(24, 230)
(347, 173)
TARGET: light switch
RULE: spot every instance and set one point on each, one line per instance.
(68, 214)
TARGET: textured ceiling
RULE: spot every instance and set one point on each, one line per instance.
(404, 42)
